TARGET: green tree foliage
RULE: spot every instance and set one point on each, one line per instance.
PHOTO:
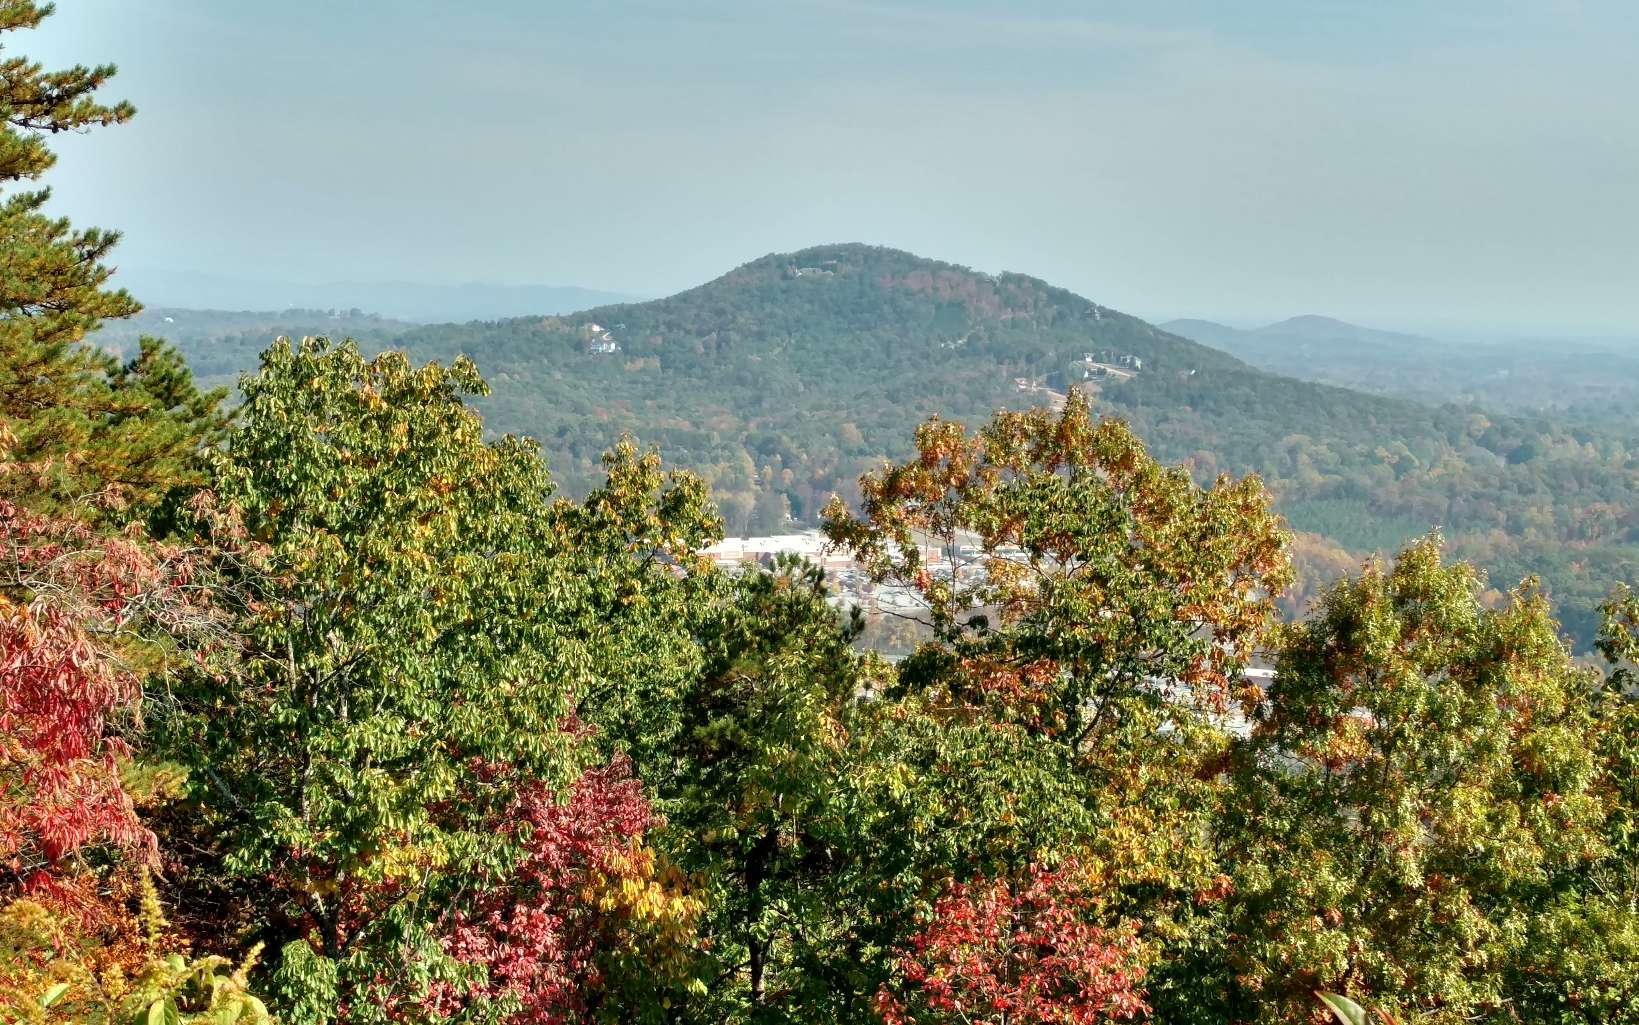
(398, 638)
(934, 793)
(752, 776)
(420, 622)
(1619, 635)
(73, 422)
(402, 780)
(1578, 963)
(633, 542)
(1423, 771)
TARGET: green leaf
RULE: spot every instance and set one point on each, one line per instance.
(258, 1010)
(53, 994)
(1347, 1011)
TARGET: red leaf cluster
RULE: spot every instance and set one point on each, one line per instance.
(65, 596)
(1020, 954)
(541, 932)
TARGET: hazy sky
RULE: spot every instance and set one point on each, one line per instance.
(1422, 163)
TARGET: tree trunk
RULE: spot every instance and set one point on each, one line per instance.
(757, 861)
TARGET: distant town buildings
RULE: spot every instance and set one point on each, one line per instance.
(847, 580)
(810, 545)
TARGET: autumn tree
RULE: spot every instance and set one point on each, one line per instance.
(1099, 605)
(588, 924)
(1420, 778)
(52, 969)
(1068, 570)
(66, 605)
(85, 617)
(88, 614)
(934, 795)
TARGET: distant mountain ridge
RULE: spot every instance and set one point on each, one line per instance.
(407, 301)
(1591, 381)
(784, 379)
(1305, 334)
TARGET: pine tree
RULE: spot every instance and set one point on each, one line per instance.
(73, 423)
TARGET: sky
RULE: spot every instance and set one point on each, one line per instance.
(1456, 164)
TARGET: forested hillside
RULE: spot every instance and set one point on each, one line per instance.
(785, 379)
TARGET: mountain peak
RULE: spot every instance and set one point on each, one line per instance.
(807, 306)
(1184, 325)
(1314, 326)
(1313, 320)
(839, 257)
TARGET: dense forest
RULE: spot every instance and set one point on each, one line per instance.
(321, 703)
(783, 381)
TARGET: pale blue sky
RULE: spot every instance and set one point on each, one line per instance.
(1445, 162)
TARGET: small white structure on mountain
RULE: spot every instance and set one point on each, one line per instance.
(599, 340)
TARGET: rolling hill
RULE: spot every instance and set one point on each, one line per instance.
(1297, 340)
(1592, 381)
(784, 379)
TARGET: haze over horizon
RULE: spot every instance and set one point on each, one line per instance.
(1383, 163)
